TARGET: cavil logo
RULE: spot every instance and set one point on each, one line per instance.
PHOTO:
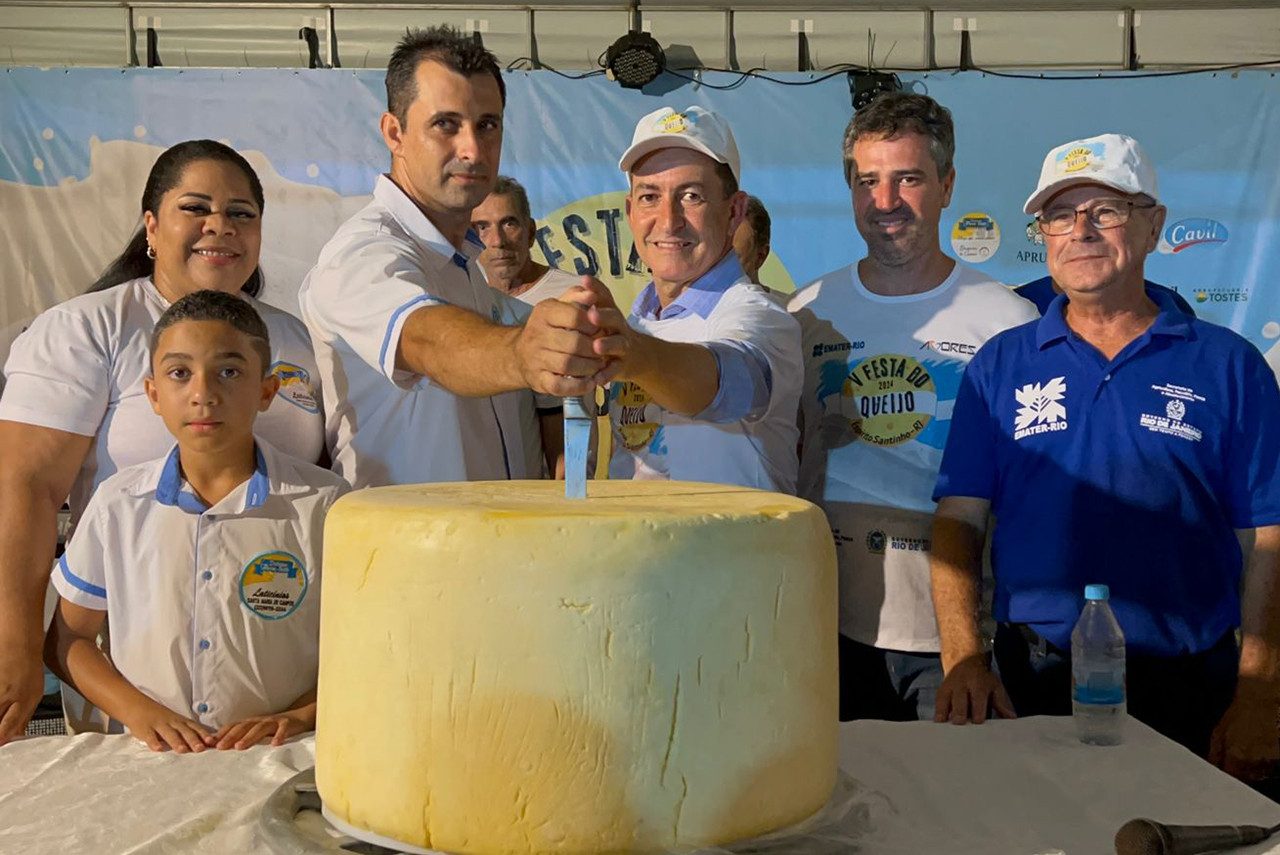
(1195, 231)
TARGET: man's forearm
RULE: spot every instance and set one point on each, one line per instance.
(1260, 616)
(681, 378)
(955, 567)
(460, 351)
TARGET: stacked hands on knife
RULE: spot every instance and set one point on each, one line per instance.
(582, 340)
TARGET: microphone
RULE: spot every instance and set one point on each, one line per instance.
(1148, 837)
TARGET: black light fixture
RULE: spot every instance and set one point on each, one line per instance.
(864, 86)
(634, 60)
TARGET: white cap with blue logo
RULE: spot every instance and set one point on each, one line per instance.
(1113, 160)
(695, 128)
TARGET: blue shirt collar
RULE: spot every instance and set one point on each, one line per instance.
(169, 488)
(700, 297)
(1170, 321)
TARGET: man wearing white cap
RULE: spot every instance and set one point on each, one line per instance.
(885, 342)
(708, 365)
(1116, 440)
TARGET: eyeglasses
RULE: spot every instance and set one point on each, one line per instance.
(1102, 214)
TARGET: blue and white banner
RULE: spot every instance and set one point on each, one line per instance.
(76, 145)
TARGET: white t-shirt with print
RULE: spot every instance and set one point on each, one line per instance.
(651, 443)
(80, 368)
(881, 378)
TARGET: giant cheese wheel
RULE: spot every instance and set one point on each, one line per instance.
(503, 670)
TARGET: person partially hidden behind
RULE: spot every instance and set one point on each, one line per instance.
(207, 560)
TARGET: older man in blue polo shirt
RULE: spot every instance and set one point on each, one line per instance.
(1115, 440)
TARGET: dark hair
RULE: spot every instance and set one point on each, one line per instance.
(727, 179)
(217, 306)
(505, 186)
(894, 113)
(446, 45)
(165, 174)
(758, 217)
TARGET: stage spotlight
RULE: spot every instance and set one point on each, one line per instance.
(634, 60)
(864, 86)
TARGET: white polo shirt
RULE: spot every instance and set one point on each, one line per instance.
(737, 320)
(881, 377)
(549, 286)
(80, 368)
(386, 426)
(214, 612)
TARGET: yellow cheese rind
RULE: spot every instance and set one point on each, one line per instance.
(503, 670)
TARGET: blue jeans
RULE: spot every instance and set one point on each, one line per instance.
(891, 685)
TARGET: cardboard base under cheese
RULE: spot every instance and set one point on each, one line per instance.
(503, 670)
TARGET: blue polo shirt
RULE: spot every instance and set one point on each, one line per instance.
(1133, 472)
(1040, 291)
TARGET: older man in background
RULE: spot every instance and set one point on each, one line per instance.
(506, 227)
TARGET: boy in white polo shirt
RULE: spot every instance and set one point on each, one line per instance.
(206, 560)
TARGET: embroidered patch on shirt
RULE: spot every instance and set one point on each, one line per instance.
(273, 585)
(295, 386)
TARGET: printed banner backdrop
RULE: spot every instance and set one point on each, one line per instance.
(76, 145)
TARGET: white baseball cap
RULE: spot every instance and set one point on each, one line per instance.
(694, 127)
(1113, 160)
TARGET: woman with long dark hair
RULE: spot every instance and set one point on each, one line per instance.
(74, 409)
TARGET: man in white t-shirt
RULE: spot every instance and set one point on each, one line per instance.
(886, 341)
(708, 366)
(505, 225)
(421, 361)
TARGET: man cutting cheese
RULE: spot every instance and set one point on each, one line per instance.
(708, 366)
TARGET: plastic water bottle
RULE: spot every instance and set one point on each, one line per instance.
(1097, 671)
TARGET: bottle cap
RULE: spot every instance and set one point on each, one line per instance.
(1097, 592)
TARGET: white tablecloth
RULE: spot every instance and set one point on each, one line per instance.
(1021, 787)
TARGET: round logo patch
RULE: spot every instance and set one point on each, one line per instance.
(975, 238)
(636, 422)
(295, 386)
(888, 399)
(875, 542)
(675, 123)
(273, 585)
